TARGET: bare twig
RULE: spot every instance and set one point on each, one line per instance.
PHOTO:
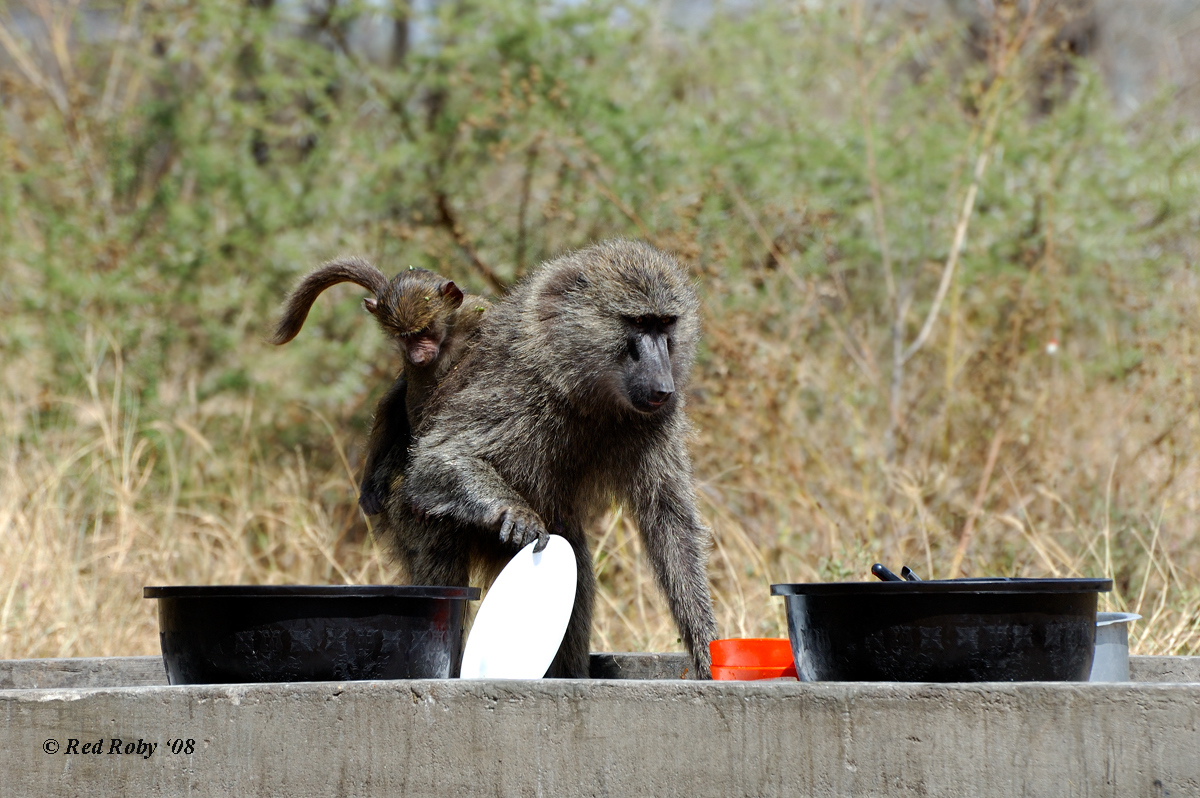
(449, 220)
(872, 170)
(1108, 566)
(1031, 533)
(1151, 564)
(985, 481)
(58, 26)
(895, 403)
(590, 171)
(897, 306)
(960, 235)
(394, 104)
(1010, 355)
(29, 69)
(113, 76)
(992, 101)
(531, 155)
(602, 186)
(63, 92)
(855, 352)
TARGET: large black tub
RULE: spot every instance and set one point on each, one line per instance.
(956, 630)
(247, 633)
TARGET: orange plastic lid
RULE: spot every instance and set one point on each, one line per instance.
(751, 652)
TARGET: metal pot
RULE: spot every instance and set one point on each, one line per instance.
(1111, 660)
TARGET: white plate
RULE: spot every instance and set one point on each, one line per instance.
(523, 618)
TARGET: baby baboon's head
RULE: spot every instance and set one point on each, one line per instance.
(415, 308)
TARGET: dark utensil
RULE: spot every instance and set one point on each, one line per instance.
(248, 633)
(884, 574)
(957, 630)
(908, 575)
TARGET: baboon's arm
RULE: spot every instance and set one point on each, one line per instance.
(445, 481)
(676, 541)
(387, 447)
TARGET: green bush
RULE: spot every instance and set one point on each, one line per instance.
(159, 204)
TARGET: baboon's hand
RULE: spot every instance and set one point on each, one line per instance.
(520, 526)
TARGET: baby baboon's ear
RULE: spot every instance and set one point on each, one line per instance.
(371, 304)
(452, 292)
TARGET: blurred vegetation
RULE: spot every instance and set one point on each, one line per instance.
(1024, 404)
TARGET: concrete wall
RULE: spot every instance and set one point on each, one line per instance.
(23, 674)
(146, 671)
(623, 738)
(1164, 669)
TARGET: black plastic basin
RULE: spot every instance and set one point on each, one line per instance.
(957, 630)
(284, 633)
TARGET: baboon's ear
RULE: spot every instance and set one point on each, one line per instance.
(452, 292)
(371, 304)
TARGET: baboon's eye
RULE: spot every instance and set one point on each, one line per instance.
(642, 324)
(667, 321)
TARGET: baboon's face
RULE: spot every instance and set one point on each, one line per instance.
(415, 309)
(648, 382)
(613, 328)
(423, 347)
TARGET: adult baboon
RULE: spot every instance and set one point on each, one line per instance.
(571, 398)
(432, 324)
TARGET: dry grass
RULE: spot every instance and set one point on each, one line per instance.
(812, 458)
(1098, 479)
(88, 526)
(790, 496)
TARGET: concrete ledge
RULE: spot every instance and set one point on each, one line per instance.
(82, 672)
(647, 733)
(138, 671)
(146, 671)
(587, 738)
(1164, 669)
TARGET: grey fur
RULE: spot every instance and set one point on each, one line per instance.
(536, 432)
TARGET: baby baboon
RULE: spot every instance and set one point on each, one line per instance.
(571, 398)
(432, 324)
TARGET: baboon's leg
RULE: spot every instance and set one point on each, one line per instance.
(571, 662)
(440, 571)
(437, 554)
(387, 447)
